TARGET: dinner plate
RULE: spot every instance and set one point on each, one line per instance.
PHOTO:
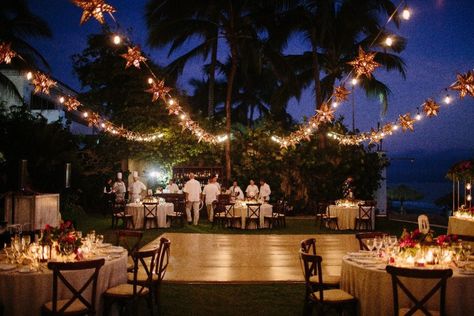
(111, 250)
(104, 245)
(361, 254)
(25, 270)
(366, 261)
(466, 272)
(7, 266)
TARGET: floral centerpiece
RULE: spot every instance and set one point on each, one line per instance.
(466, 213)
(63, 239)
(461, 170)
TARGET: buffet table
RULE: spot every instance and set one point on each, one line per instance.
(372, 286)
(346, 216)
(136, 210)
(24, 293)
(460, 226)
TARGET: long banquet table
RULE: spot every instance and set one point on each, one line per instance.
(373, 290)
(346, 216)
(136, 210)
(460, 226)
(25, 293)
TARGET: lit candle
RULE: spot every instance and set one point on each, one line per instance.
(410, 260)
(429, 257)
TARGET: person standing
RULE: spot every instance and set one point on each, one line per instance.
(192, 188)
(236, 191)
(211, 190)
(136, 188)
(119, 189)
(172, 187)
(252, 190)
(108, 196)
(265, 191)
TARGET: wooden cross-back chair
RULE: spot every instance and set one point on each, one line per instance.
(77, 304)
(308, 246)
(179, 209)
(364, 218)
(161, 267)
(220, 213)
(419, 304)
(317, 294)
(253, 214)
(320, 211)
(130, 240)
(361, 237)
(150, 213)
(119, 212)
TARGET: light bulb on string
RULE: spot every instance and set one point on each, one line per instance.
(61, 100)
(447, 99)
(85, 114)
(182, 116)
(116, 39)
(418, 117)
(406, 13)
(29, 75)
(171, 102)
(354, 81)
(388, 41)
(335, 104)
(394, 127)
(150, 80)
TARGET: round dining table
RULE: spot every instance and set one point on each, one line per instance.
(461, 226)
(372, 286)
(138, 214)
(346, 216)
(240, 212)
(23, 294)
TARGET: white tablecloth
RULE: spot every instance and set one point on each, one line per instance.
(136, 210)
(240, 210)
(460, 226)
(346, 216)
(25, 293)
(373, 289)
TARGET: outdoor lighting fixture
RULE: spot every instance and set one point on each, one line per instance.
(395, 127)
(389, 41)
(171, 102)
(150, 80)
(406, 14)
(29, 75)
(469, 197)
(418, 117)
(468, 186)
(85, 114)
(61, 100)
(182, 116)
(354, 81)
(102, 125)
(117, 39)
(335, 104)
(222, 138)
(447, 99)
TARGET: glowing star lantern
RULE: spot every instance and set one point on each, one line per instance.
(364, 64)
(341, 94)
(71, 103)
(431, 108)
(6, 54)
(42, 83)
(325, 113)
(133, 57)
(406, 122)
(94, 8)
(158, 90)
(464, 84)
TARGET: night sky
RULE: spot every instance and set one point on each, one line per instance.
(440, 44)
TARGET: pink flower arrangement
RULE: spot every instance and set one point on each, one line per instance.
(65, 235)
(446, 239)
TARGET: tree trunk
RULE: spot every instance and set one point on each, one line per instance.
(212, 78)
(316, 70)
(228, 109)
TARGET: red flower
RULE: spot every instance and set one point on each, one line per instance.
(415, 234)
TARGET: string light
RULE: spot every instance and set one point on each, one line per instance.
(354, 81)
(335, 104)
(117, 39)
(389, 41)
(406, 13)
(29, 75)
(150, 80)
(447, 99)
(418, 117)
(61, 100)
(85, 114)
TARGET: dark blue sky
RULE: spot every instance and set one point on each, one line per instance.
(440, 44)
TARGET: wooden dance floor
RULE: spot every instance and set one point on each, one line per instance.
(201, 258)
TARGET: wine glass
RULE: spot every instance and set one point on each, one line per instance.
(68, 250)
(370, 243)
(378, 243)
(393, 240)
(99, 240)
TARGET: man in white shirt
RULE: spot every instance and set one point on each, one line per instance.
(172, 187)
(236, 191)
(264, 191)
(252, 190)
(192, 188)
(136, 188)
(119, 188)
(211, 190)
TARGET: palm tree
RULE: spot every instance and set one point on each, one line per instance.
(235, 21)
(335, 30)
(17, 25)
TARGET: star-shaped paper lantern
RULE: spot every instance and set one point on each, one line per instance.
(406, 122)
(387, 128)
(71, 103)
(134, 57)
(464, 84)
(42, 83)
(94, 8)
(341, 94)
(431, 108)
(6, 54)
(325, 113)
(93, 119)
(364, 64)
(158, 90)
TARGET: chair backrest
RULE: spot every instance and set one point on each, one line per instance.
(163, 257)
(253, 210)
(423, 224)
(308, 246)
(419, 304)
(150, 209)
(361, 237)
(229, 209)
(322, 208)
(366, 211)
(224, 198)
(146, 260)
(118, 207)
(77, 294)
(129, 239)
(312, 267)
(180, 205)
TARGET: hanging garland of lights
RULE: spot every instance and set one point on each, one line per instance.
(464, 84)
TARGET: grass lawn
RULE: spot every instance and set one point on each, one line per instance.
(234, 299)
